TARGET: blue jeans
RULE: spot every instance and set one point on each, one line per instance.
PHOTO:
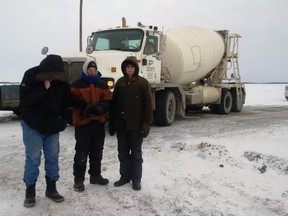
(34, 143)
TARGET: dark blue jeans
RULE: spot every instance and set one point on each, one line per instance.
(130, 154)
(34, 144)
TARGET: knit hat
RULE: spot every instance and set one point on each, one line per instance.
(52, 68)
(130, 60)
(89, 63)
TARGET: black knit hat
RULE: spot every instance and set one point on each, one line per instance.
(51, 68)
(92, 64)
(89, 63)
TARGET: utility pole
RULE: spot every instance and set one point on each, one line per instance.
(80, 26)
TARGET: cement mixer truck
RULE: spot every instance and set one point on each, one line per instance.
(188, 68)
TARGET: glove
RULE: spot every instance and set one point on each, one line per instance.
(145, 130)
(111, 129)
(86, 113)
(96, 109)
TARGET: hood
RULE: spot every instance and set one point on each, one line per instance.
(130, 60)
(52, 68)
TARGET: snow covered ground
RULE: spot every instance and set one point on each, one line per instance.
(205, 164)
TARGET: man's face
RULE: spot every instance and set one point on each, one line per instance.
(130, 69)
(91, 72)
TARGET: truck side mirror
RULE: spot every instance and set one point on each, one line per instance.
(89, 49)
(44, 50)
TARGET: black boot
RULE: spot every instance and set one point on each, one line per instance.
(51, 191)
(79, 170)
(136, 185)
(78, 185)
(125, 171)
(98, 180)
(30, 196)
(121, 182)
(136, 173)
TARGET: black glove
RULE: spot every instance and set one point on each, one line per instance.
(96, 109)
(86, 113)
(145, 130)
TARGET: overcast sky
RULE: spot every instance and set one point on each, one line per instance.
(27, 26)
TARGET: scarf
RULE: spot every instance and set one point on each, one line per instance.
(91, 79)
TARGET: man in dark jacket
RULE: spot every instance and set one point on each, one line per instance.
(44, 101)
(130, 117)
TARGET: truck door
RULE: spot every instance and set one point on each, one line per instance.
(151, 67)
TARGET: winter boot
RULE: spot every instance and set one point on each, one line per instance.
(136, 173)
(51, 191)
(136, 185)
(78, 185)
(125, 171)
(121, 182)
(30, 196)
(98, 180)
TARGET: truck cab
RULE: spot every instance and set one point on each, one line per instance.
(110, 47)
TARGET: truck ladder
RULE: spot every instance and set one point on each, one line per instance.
(232, 56)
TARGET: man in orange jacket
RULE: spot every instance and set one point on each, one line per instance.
(89, 124)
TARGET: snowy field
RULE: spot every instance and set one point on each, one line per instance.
(203, 165)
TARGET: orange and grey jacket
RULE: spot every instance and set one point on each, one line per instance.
(94, 94)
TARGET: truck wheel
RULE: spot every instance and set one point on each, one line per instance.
(226, 102)
(237, 105)
(164, 114)
(214, 108)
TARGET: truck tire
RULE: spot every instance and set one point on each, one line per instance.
(226, 102)
(237, 105)
(214, 108)
(165, 111)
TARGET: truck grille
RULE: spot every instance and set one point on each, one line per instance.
(73, 70)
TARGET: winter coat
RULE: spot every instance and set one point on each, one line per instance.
(96, 95)
(131, 106)
(45, 110)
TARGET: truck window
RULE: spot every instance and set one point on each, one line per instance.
(151, 45)
(118, 39)
(102, 44)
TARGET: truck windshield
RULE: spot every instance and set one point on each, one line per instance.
(118, 39)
